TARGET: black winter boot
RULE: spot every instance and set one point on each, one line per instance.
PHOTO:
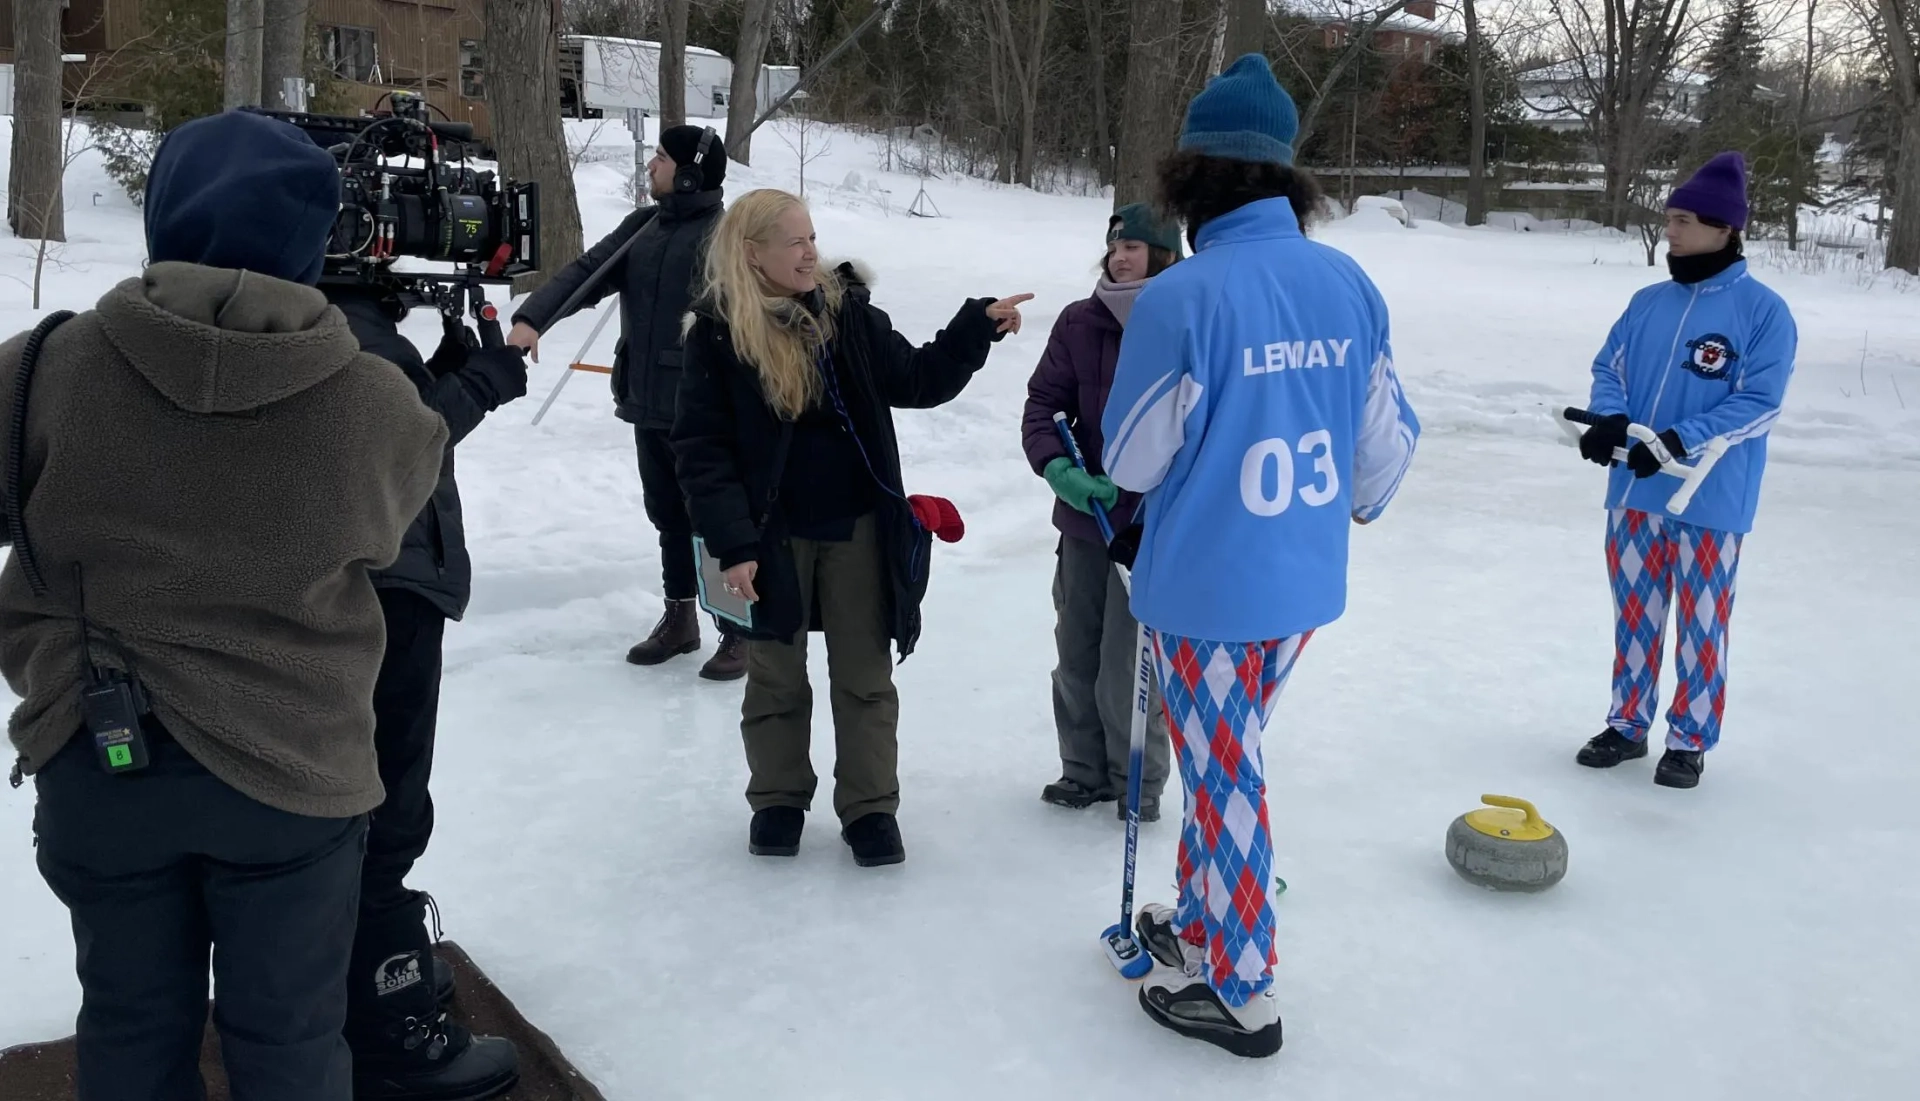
(435, 1060)
(442, 982)
(875, 840)
(1073, 794)
(678, 632)
(1680, 768)
(775, 831)
(1610, 747)
(729, 662)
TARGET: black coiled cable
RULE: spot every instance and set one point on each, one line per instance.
(17, 451)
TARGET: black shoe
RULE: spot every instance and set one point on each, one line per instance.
(678, 632)
(1184, 1003)
(436, 1060)
(875, 840)
(1610, 747)
(775, 831)
(729, 662)
(1073, 794)
(1680, 768)
(442, 981)
(1149, 811)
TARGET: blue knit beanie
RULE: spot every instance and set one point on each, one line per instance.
(244, 191)
(1718, 191)
(1243, 114)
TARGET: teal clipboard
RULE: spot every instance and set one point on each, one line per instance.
(714, 597)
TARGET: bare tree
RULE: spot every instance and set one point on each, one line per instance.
(283, 53)
(1359, 39)
(756, 24)
(1900, 21)
(1025, 71)
(34, 206)
(1619, 65)
(246, 31)
(1097, 80)
(1800, 112)
(1476, 117)
(1246, 29)
(523, 99)
(1150, 116)
(673, 63)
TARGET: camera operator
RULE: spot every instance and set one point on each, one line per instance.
(404, 1047)
(655, 280)
(205, 470)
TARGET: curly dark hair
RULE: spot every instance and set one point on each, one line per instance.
(1197, 188)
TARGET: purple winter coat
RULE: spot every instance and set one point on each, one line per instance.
(1074, 376)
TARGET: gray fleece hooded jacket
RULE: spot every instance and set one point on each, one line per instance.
(214, 450)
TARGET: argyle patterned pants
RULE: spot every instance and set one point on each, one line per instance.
(1218, 697)
(1650, 558)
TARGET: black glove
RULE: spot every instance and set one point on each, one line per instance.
(502, 370)
(1126, 544)
(1598, 441)
(456, 340)
(1641, 459)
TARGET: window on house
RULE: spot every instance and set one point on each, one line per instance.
(351, 52)
(472, 84)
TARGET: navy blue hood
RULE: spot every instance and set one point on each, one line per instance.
(243, 191)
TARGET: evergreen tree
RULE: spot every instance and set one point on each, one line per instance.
(1737, 113)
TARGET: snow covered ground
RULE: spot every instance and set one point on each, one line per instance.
(1750, 939)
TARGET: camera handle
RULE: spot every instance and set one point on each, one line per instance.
(486, 317)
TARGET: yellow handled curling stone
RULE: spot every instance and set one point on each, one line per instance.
(1506, 846)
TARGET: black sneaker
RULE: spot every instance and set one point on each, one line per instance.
(1680, 768)
(775, 831)
(1073, 794)
(875, 840)
(1182, 1001)
(1610, 747)
(1149, 811)
(436, 1060)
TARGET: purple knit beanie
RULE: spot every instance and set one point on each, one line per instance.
(1718, 191)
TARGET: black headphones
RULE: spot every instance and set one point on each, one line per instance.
(689, 178)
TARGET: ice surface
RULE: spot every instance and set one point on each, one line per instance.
(1750, 939)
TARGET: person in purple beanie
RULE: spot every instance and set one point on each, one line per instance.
(1094, 630)
(1705, 355)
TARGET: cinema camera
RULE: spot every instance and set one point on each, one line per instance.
(406, 190)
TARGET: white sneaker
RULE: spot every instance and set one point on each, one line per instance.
(1183, 1002)
(1153, 929)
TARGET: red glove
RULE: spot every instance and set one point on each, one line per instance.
(938, 516)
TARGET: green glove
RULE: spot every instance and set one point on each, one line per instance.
(1077, 487)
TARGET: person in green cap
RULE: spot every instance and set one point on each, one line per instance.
(1094, 630)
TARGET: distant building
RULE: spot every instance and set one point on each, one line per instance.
(1416, 32)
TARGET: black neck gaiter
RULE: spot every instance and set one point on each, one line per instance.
(1688, 270)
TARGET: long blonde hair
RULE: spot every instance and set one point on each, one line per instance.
(778, 335)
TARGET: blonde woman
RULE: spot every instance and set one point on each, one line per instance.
(784, 443)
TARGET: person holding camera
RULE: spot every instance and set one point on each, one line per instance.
(201, 472)
(786, 444)
(404, 1046)
(652, 261)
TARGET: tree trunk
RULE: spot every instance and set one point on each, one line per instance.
(1097, 64)
(1477, 116)
(1030, 93)
(1150, 116)
(34, 206)
(283, 53)
(1246, 30)
(1903, 242)
(756, 25)
(523, 100)
(246, 36)
(673, 64)
(1798, 182)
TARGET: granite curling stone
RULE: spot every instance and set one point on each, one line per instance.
(1506, 846)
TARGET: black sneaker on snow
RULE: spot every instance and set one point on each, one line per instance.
(875, 840)
(1680, 768)
(775, 831)
(1610, 747)
(1182, 1001)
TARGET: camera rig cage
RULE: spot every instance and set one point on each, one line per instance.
(406, 189)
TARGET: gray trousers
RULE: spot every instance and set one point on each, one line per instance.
(1094, 632)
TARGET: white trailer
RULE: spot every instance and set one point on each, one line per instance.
(621, 73)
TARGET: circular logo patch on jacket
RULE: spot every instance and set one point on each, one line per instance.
(1711, 356)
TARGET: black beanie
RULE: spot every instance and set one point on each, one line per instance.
(682, 143)
(240, 190)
